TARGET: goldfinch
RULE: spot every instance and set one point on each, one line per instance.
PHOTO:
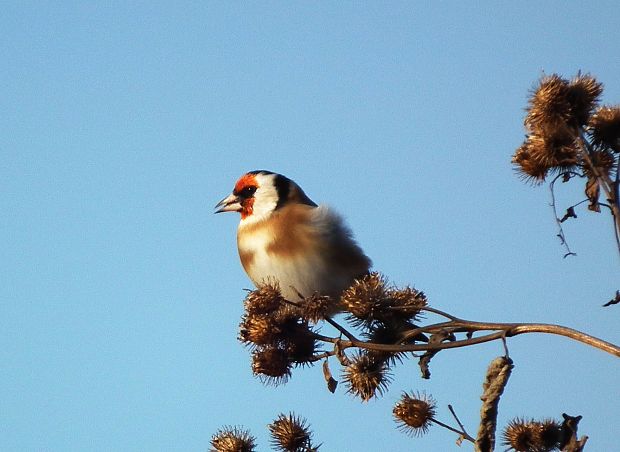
(284, 237)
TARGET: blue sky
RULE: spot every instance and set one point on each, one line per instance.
(123, 123)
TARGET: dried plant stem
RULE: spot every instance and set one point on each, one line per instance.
(439, 312)
(611, 188)
(616, 203)
(456, 418)
(500, 331)
(495, 382)
(462, 433)
(557, 218)
(342, 329)
(321, 356)
(577, 446)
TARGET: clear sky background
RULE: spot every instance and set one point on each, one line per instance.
(123, 123)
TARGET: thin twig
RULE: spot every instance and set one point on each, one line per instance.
(557, 218)
(458, 421)
(505, 344)
(340, 328)
(609, 187)
(463, 434)
(607, 183)
(616, 203)
(320, 337)
(329, 320)
(439, 312)
(321, 356)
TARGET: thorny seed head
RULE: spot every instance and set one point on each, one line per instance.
(258, 329)
(414, 413)
(271, 364)
(233, 439)
(548, 104)
(365, 298)
(407, 302)
(372, 300)
(316, 307)
(382, 334)
(532, 436)
(266, 329)
(540, 154)
(550, 433)
(264, 300)
(556, 112)
(301, 345)
(291, 434)
(603, 160)
(558, 151)
(604, 127)
(528, 164)
(583, 96)
(366, 377)
(557, 103)
(519, 435)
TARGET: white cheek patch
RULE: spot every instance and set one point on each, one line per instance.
(266, 196)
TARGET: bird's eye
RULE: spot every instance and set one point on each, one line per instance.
(247, 192)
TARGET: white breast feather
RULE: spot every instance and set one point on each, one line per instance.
(307, 273)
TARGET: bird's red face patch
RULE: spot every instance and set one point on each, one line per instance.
(247, 207)
(247, 180)
(245, 183)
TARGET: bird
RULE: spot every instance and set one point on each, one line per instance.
(285, 237)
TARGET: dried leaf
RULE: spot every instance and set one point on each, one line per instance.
(425, 359)
(331, 381)
(569, 432)
(614, 300)
(570, 213)
(593, 192)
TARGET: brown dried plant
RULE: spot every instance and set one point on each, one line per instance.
(291, 433)
(414, 413)
(383, 326)
(570, 136)
(232, 439)
(375, 326)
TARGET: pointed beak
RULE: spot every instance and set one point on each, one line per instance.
(231, 203)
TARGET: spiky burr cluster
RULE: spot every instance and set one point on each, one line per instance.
(561, 115)
(289, 433)
(281, 337)
(232, 439)
(414, 413)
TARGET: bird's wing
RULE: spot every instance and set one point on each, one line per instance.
(340, 248)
